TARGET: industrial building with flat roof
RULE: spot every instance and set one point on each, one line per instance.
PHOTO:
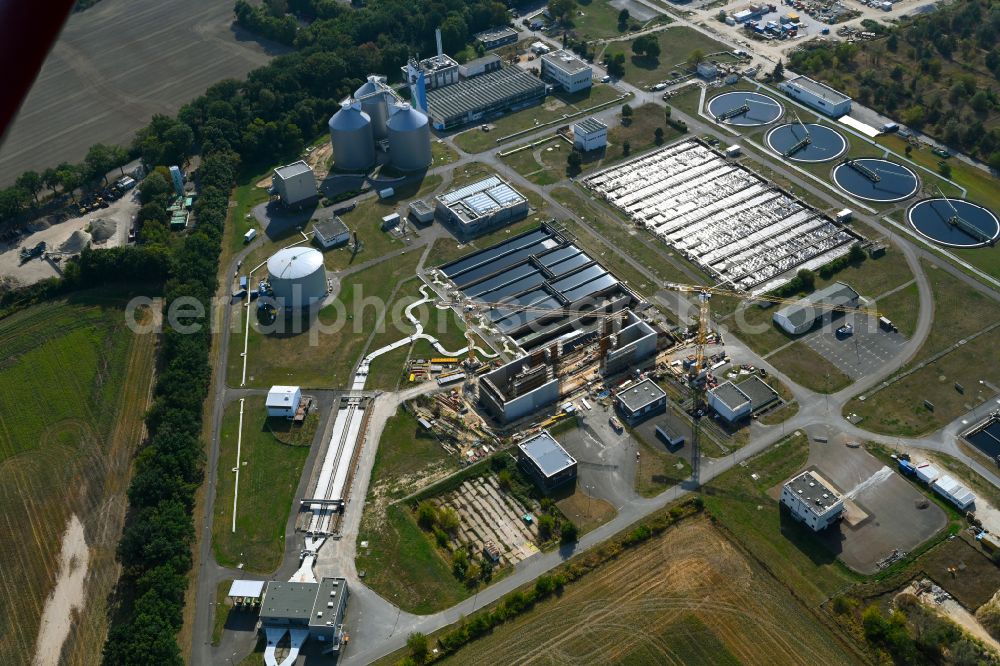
(479, 66)
(817, 95)
(283, 401)
(439, 71)
(821, 304)
(294, 183)
(590, 134)
(540, 288)
(717, 213)
(481, 206)
(639, 401)
(496, 37)
(483, 97)
(733, 402)
(421, 211)
(812, 500)
(546, 462)
(330, 232)
(567, 71)
(307, 610)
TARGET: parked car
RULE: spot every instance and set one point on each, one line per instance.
(845, 331)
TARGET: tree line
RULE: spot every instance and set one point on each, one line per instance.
(936, 74)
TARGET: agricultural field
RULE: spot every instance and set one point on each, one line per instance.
(74, 388)
(898, 409)
(292, 350)
(272, 455)
(555, 107)
(676, 45)
(688, 596)
(92, 89)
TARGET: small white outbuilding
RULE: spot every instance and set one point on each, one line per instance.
(283, 401)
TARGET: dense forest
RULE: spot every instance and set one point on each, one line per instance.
(938, 74)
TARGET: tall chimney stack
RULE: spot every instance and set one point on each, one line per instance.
(437, 36)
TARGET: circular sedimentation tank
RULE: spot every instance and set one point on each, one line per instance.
(745, 109)
(810, 143)
(954, 222)
(876, 180)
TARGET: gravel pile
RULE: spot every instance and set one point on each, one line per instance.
(101, 230)
(76, 242)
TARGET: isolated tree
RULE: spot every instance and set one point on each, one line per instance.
(561, 9)
(31, 182)
(459, 563)
(778, 74)
(658, 135)
(615, 64)
(546, 524)
(623, 17)
(666, 113)
(944, 169)
(626, 148)
(426, 515)
(695, 58)
(568, 532)
(646, 46)
(448, 519)
(626, 114)
(574, 162)
(418, 646)
(69, 179)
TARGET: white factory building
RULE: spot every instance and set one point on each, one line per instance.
(817, 95)
(283, 401)
(567, 71)
(799, 317)
(481, 206)
(590, 134)
(331, 232)
(294, 183)
(813, 500)
(717, 213)
(729, 402)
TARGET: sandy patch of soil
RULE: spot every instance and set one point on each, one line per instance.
(68, 595)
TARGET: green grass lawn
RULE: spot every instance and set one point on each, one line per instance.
(269, 476)
(903, 308)
(555, 107)
(809, 369)
(406, 451)
(74, 389)
(657, 470)
(323, 354)
(744, 507)
(402, 565)
(676, 44)
(899, 409)
(222, 608)
(442, 153)
(598, 19)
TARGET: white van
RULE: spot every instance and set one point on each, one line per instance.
(249, 236)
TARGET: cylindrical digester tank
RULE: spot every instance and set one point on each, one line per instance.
(351, 135)
(409, 139)
(375, 102)
(297, 276)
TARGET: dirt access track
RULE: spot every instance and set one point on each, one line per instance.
(686, 597)
(113, 67)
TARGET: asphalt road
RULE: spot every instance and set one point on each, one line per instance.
(113, 67)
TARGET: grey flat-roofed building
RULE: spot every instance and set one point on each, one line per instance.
(812, 500)
(331, 232)
(729, 402)
(317, 607)
(546, 462)
(800, 317)
(483, 97)
(817, 95)
(294, 183)
(421, 211)
(567, 71)
(590, 134)
(641, 400)
(481, 206)
(631, 345)
(489, 63)
(761, 395)
(497, 37)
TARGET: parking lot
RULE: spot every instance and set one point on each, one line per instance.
(883, 511)
(857, 355)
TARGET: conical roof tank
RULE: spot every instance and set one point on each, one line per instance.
(409, 138)
(352, 138)
(374, 101)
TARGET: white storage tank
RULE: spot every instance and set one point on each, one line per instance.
(352, 138)
(297, 276)
(409, 138)
(375, 102)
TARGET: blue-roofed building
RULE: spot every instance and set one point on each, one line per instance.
(546, 462)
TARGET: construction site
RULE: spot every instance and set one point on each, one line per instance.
(747, 233)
